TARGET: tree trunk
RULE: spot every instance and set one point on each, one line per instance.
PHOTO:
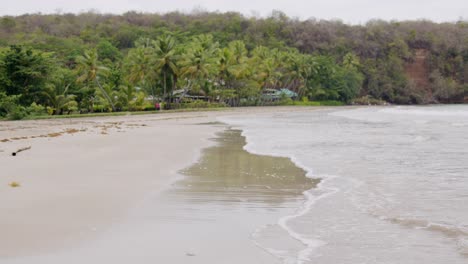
(174, 84)
(152, 94)
(105, 94)
(164, 93)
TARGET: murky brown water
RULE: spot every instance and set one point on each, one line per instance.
(226, 173)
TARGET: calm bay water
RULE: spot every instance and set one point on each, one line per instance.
(394, 183)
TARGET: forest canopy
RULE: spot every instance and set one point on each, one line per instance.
(90, 62)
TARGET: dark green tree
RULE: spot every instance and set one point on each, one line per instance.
(25, 72)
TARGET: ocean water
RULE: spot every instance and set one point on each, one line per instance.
(393, 183)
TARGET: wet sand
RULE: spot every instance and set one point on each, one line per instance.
(75, 185)
(92, 187)
(235, 175)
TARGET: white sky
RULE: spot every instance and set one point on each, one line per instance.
(350, 11)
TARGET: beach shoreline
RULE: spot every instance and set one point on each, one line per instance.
(82, 176)
(78, 180)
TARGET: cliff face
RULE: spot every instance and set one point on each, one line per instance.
(418, 70)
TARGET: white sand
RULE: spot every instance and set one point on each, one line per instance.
(76, 184)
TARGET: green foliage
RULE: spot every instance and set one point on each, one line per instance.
(348, 83)
(129, 99)
(10, 108)
(335, 82)
(197, 104)
(106, 50)
(368, 100)
(306, 102)
(17, 113)
(445, 89)
(7, 23)
(24, 72)
(126, 37)
(36, 110)
(89, 70)
(166, 60)
(62, 64)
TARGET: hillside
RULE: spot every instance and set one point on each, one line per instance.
(406, 62)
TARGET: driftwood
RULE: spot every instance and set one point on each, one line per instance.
(19, 150)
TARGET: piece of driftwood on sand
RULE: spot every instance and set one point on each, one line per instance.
(20, 150)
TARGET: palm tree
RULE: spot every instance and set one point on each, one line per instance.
(166, 60)
(225, 60)
(300, 69)
(140, 67)
(260, 53)
(199, 63)
(90, 69)
(237, 68)
(265, 64)
(127, 93)
(239, 51)
(59, 98)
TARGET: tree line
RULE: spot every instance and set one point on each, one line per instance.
(93, 62)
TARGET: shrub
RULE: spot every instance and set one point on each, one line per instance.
(36, 110)
(101, 108)
(368, 100)
(196, 104)
(10, 109)
(330, 103)
(7, 103)
(17, 113)
(306, 102)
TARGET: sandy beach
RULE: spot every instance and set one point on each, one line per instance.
(75, 184)
(81, 177)
(244, 185)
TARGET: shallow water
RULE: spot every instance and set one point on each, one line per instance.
(226, 173)
(394, 182)
(242, 195)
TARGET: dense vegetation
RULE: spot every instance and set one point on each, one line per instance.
(90, 62)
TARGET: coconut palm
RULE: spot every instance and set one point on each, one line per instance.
(127, 94)
(225, 60)
(58, 97)
(293, 71)
(239, 51)
(199, 62)
(166, 58)
(207, 43)
(90, 69)
(140, 67)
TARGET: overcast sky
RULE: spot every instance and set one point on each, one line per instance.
(350, 11)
